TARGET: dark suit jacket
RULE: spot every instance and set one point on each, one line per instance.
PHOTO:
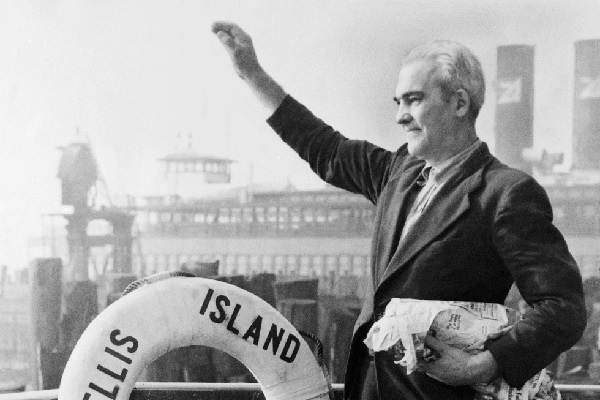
(489, 226)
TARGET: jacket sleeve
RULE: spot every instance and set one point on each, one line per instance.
(548, 278)
(354, 165)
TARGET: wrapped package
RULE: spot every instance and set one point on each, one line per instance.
(465, 325)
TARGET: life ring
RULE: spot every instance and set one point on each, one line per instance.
(156, 318)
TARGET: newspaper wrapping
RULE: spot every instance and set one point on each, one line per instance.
(465, 325)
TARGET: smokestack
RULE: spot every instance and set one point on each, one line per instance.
(514, 104)
(586, 124)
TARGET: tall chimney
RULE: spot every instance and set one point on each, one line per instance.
(514, 104)
(586, 123)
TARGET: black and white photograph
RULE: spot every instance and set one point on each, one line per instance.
(299, 200)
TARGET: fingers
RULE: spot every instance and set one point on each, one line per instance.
(435, 344)
(231, 29)
(223, 31)
(432, 352)
(238, 45)
(239, 33)
(224, 26)
(426, 367)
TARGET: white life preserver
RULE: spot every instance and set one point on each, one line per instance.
(150, 321)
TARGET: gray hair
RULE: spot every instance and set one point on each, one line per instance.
(456, 68)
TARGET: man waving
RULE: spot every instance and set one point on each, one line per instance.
(452, 223)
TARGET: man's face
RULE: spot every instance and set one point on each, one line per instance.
(427, 118)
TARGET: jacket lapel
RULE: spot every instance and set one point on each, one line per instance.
(445, 208)
(395, 208)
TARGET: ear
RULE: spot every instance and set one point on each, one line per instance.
(463, 103)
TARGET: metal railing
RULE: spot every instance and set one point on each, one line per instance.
(154, 387)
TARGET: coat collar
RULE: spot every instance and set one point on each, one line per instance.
(445, 208)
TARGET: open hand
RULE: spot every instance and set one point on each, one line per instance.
(239, 47)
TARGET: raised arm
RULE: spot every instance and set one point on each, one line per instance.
(238, 45)
(357, 166)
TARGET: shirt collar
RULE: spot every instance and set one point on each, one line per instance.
(445, 169)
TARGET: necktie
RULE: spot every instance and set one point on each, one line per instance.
(412, 194)
(423, 177)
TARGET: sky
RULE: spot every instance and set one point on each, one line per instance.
(136, 78)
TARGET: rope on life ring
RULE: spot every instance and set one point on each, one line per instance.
(167, 311)
(155, 278)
